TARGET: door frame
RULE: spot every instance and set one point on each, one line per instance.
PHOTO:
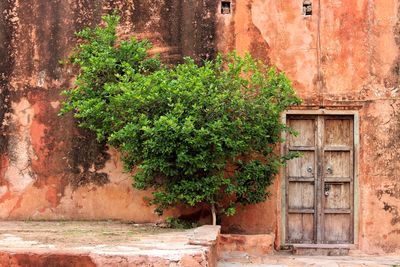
(356, 133)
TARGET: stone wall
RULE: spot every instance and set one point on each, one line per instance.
(344, 56)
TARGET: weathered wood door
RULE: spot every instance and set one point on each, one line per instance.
(319, 184)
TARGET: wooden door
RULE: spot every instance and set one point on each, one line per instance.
(319, 184)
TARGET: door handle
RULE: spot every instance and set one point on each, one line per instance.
(327, 188)
(329, 169)
(309, 169)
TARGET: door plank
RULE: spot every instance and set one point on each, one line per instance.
(338, 196)
(301, 228)
(305, 130)
(319, 196)
(337, 180)
(337, 148)
(301, 148)
(301, 195)
(338, 132)
(301, 210)
(302, 166)
(337, 210)
(337, 228)
(337, 164)
(300, 181)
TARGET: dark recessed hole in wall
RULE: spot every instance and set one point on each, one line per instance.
(225, 7)
(307, 8)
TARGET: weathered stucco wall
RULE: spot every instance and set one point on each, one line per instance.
(50, 168)
(346, 55)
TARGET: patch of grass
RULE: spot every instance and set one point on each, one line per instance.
(177, 223)
(75, 232)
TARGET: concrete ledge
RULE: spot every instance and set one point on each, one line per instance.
(110, 244)
(71, 259)
(254, 245)
(205, 235)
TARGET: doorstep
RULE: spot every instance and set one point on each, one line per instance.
(322, 249)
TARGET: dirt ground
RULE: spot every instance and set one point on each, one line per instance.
(79, 233)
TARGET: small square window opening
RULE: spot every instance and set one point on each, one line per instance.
(225, 7)
(307, 8)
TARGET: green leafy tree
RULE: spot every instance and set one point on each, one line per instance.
(194, 133)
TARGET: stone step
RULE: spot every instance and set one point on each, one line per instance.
(322, 249)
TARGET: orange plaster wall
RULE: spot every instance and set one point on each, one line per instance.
(346, 55)
(50, 169)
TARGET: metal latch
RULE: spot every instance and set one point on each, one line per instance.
(327, 188)
(309, 169)
(329, 169)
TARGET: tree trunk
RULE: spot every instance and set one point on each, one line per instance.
(214, 214)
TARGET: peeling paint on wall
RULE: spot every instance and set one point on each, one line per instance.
(393, 78)
(19, 172)
(346, 52)
(49, 167)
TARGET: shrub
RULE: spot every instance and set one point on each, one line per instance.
(194, 133)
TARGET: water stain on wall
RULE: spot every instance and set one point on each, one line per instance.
(6, 67)
(393, 78)
(49, 150)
